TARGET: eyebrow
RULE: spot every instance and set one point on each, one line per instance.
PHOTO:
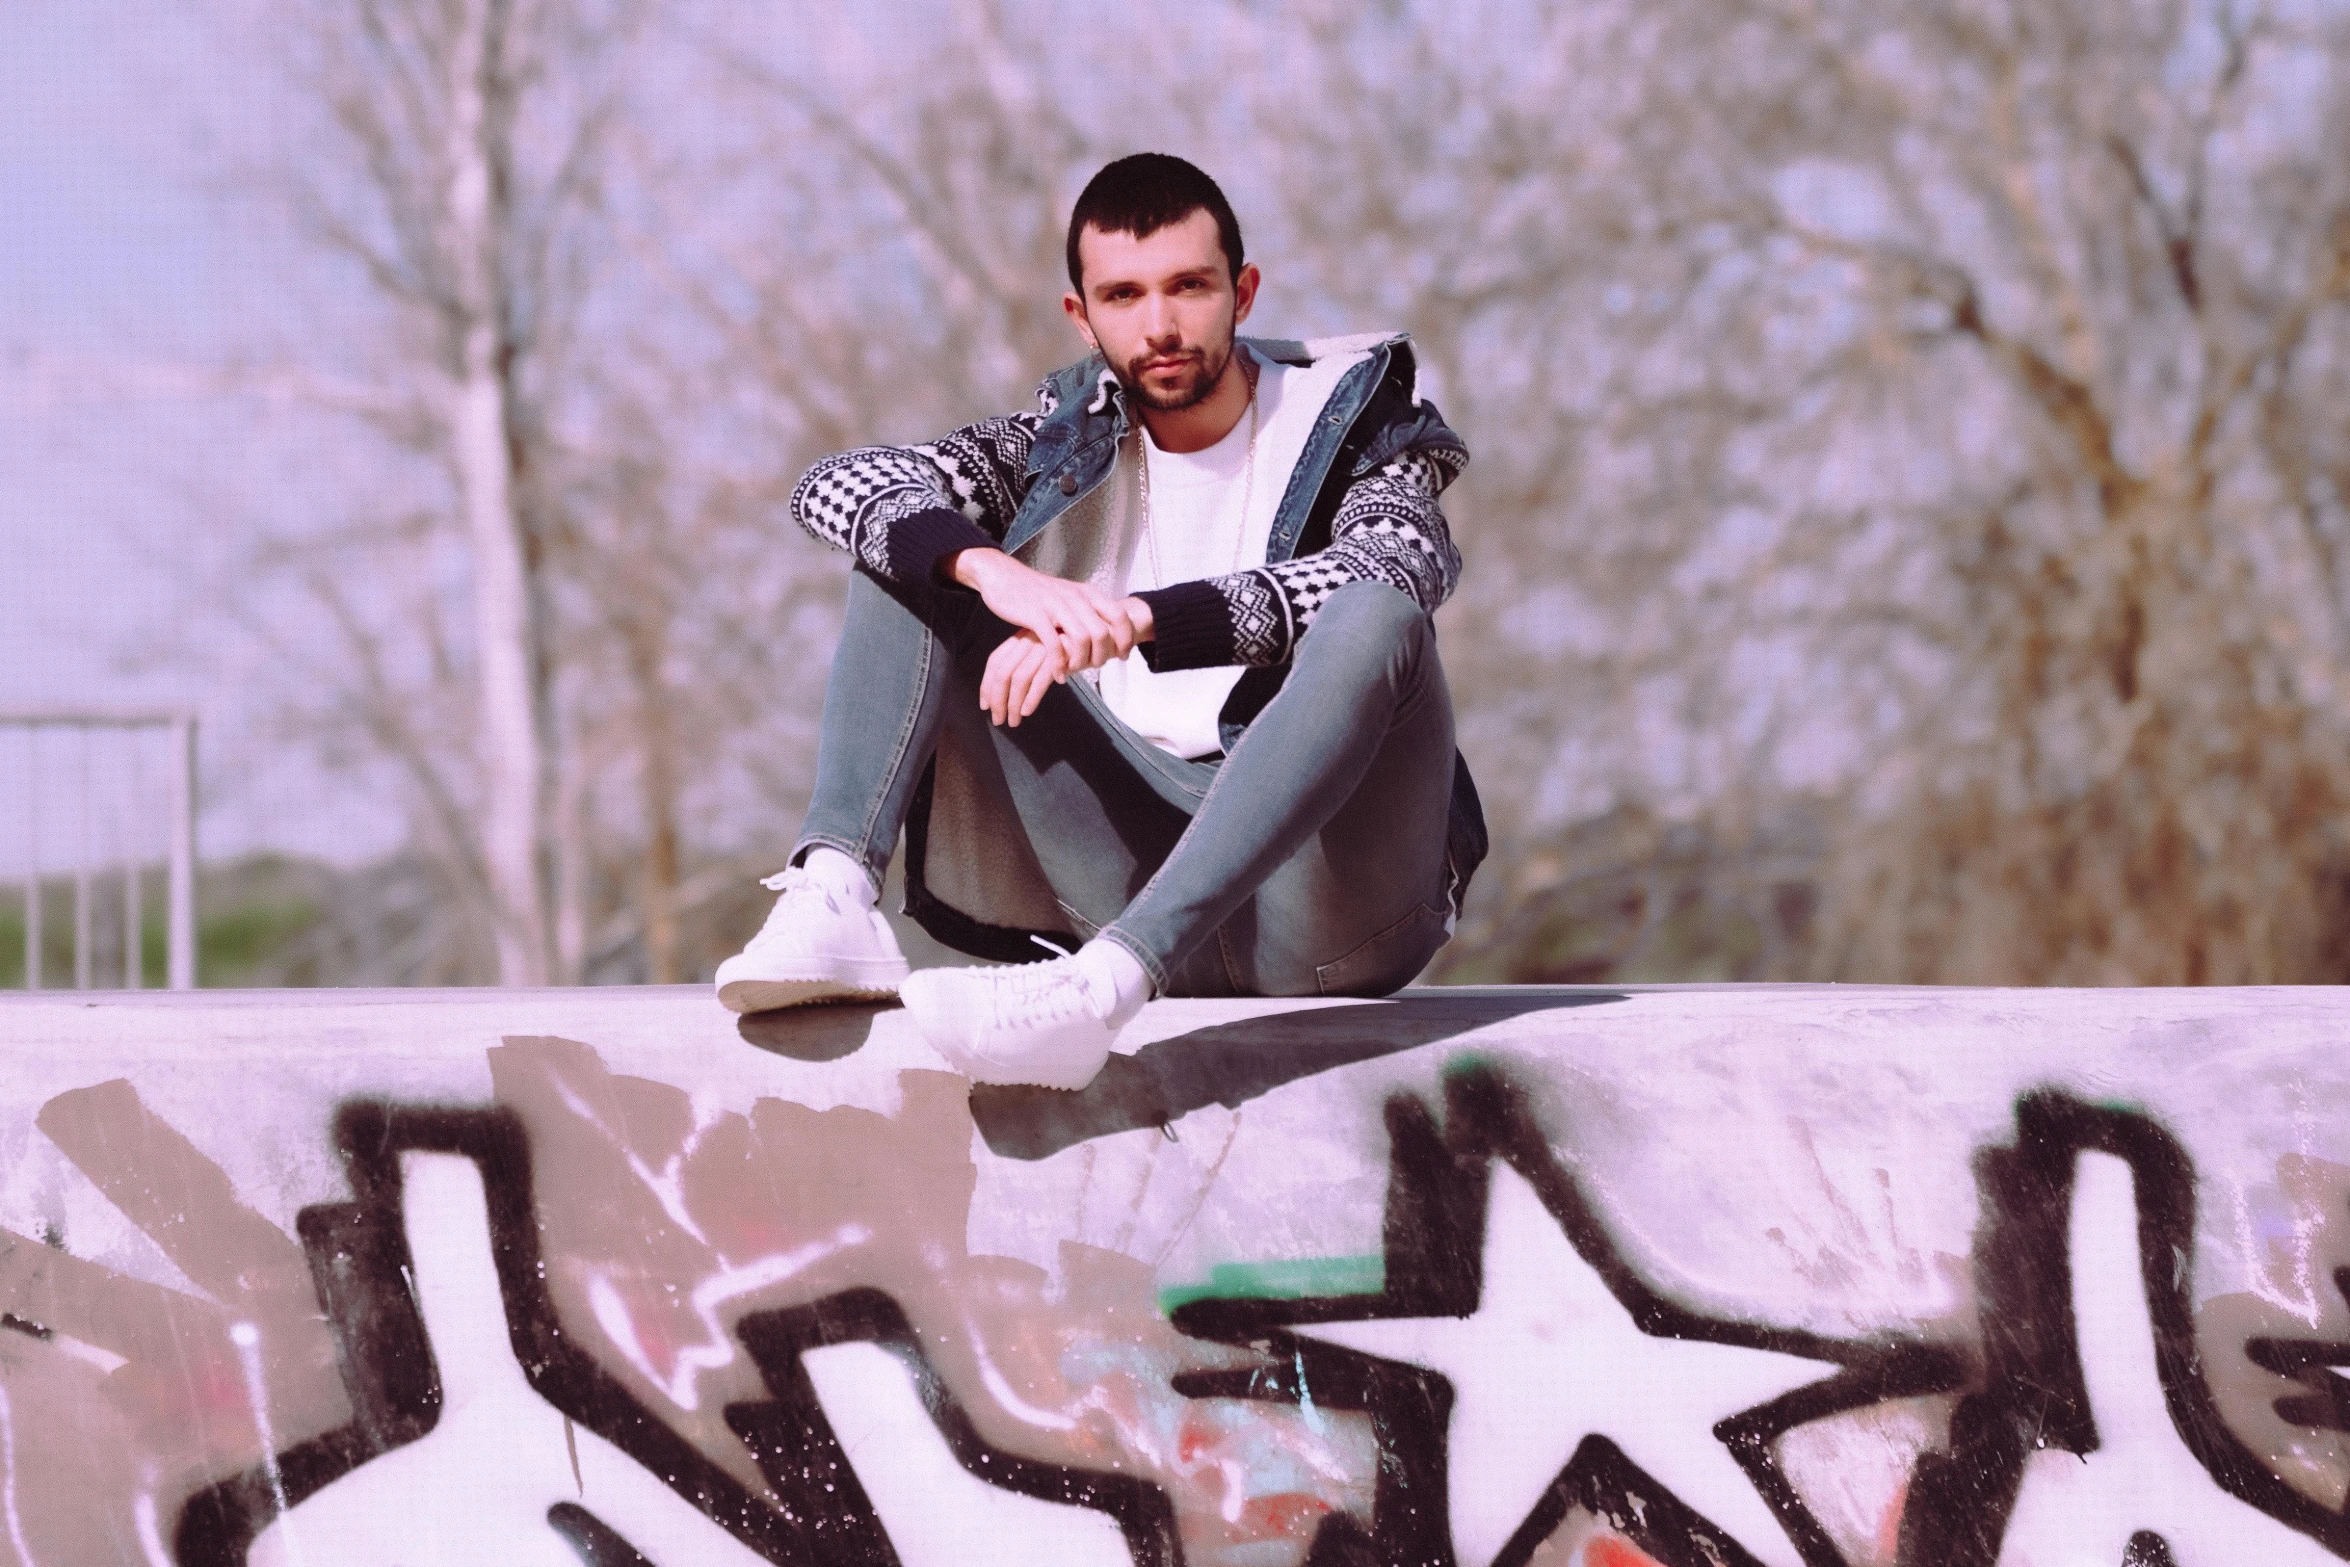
(1203, 271)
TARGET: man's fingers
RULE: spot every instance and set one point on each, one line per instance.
(1085, 632)
(1028, 687)
(991, 683)
(1017, 673)
(1116, 619)
(996, 692)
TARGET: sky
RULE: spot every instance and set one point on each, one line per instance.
(102, 254)
(129, 267)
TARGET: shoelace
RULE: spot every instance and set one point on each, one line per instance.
(1043, 991)
(792, 882)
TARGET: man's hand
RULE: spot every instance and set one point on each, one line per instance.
(1061, 628)
(1088, 625)
(1019, 672)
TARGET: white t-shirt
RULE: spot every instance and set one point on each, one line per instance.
(1197, 528)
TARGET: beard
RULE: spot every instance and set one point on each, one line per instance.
(1201, 377)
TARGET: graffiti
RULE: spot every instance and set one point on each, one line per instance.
(2320, 1367)
(506, 1430)
(652, 1221)
(1511, 1335)
(2094, 1436)
(1323, 1288)
(116, 1388)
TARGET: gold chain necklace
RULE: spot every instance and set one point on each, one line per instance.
(1248, 477)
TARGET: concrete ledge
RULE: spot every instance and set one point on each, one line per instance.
(1771, 1273)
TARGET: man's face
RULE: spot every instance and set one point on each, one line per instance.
(1161, 310)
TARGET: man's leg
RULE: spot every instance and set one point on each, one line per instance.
(1316, 862)
(1099, 806)
(883, 705)
(825, 940)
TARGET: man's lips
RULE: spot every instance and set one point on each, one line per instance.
(1180, 361)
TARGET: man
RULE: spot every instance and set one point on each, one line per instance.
(1146, 676)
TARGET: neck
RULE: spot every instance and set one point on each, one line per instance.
(1209, 420)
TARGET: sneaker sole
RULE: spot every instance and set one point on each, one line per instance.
(1063, 1076)
(995, 1074)
(769, 995)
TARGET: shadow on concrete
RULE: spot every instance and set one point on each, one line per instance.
(819, 1033)
(1231, 1063)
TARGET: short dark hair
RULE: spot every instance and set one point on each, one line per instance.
(1142, 194)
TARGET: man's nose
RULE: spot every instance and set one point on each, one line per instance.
(1158, 319)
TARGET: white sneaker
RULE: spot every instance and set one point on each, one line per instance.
(815, 946)
(1041, 1023)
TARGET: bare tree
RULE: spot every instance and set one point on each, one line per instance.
(458, 168)
(2097, 254)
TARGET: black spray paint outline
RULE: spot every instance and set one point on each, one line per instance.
(358, 1258)
(2034, 1393)
(2325, 1402)
(1433, 1239)
(777, 1339)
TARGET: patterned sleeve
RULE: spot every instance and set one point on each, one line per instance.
(1388, 529)
(897, 509)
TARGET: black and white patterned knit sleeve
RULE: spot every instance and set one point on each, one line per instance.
(1388, 529)
(897, 509)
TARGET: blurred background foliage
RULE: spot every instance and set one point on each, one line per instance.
(1906, 533)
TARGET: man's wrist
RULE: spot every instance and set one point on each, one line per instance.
(1138, 615)
(971, 566)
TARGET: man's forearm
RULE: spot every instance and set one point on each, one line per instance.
(988, 571)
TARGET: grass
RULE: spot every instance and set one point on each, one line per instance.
(246, 911)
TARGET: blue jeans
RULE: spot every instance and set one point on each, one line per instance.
(1310, 861)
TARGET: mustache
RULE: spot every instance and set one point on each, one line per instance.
(1181, 356)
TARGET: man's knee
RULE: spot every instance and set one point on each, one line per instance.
(1369, 620)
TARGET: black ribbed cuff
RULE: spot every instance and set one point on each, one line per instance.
(1191, 627)
(917, 542)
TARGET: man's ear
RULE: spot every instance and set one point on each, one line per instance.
(1244, 292)
(1074, 309)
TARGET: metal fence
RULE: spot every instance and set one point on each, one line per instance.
(99, 798)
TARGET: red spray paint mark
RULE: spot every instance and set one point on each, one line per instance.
(1607, 1551)
(1285, 1515)
(1193, 1440)
(1889, 1532)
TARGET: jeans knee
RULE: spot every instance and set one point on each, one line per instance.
(1370, 620)
(1371, 614)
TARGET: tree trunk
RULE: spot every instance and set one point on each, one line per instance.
(512, 765)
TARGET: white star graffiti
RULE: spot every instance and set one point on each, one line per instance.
(1549, 1357)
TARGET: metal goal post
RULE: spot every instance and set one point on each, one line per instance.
(79, 783)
